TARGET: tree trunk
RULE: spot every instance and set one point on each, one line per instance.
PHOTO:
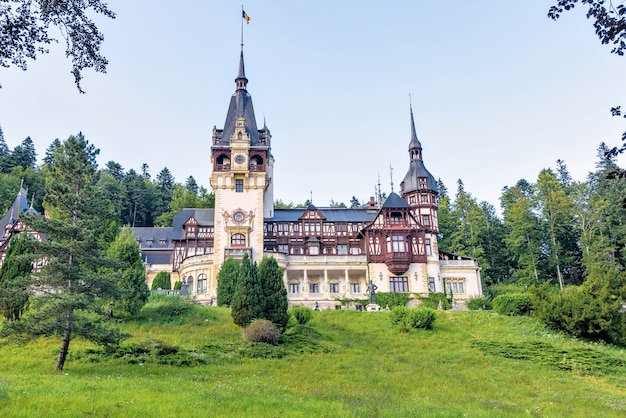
(67, 336)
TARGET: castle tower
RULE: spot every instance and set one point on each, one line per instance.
(241, 174)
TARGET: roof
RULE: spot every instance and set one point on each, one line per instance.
(20, 204)
(416, 170)
(153, 238)
(395, 201)
(204, 216)
(331, 214)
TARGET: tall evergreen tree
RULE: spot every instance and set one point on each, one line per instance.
(274, 292)
(249, 300)
(14, 272)
(226, 281)
(49, 156)
(69, 290)
(24, 155)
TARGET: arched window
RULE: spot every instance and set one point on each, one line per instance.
(202, 283)
(190, 283)
(238, 240)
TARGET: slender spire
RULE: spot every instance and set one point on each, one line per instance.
(391, 176)
(241, 80)
(415, 147)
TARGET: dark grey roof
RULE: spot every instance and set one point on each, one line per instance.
(395, 201)
(415, 143)
(331, 214)
(151, 238)
(416, 170)
(204, 217)
(157, 257)
(20, 204)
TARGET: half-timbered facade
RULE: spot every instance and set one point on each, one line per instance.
(328, 254)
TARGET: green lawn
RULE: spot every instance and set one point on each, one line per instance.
(347, 363)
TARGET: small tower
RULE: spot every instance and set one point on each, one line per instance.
(419, 188)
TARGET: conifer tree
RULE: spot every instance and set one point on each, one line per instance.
(248, 301)
(226, 281)
(274, 292)
(71, 287)
(162, 281)
(14, 272)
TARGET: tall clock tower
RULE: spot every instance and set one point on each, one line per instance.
(241, 178)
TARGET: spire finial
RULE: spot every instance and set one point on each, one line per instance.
(391, 176)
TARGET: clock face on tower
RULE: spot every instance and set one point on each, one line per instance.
(240, 158)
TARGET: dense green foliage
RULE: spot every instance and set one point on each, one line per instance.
(162, 281)
(391, 299)
(406, 318)
(133, 290)
(248, 301)
(513, 304)
(14, 272)
(226, 279)
(261, 331)
(274, 293)
(436, 300)
(302, 314)
(479, 303)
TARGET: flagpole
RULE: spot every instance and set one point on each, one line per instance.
(242, 27)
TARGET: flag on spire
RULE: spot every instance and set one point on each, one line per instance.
(245, 16)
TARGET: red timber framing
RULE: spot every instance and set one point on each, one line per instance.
(396, 239)
(198, 240)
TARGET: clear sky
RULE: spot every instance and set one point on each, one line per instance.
(499, 91)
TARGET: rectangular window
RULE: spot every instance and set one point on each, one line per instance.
(424, 198)
(294, 288)
(314, 288)
(283, 248)
(239, 185)
(396, 244)
(455, 286)
(428, 250)
(431, 284)
(426, 219)
(342, 249)
(399, 284)
(355, 250)
(355, 288)
(314, 250)
(333, 287)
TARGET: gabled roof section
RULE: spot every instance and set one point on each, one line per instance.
(395, 202)
(312, 212)
(204, 217)
(153, 237)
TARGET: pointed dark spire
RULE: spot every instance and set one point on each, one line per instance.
(241, 80)
(415, 147)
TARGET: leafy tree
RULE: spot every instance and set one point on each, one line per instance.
(70, 288)
(248, 302)
(162, 281)
(133, 288)
(14, 272)
(279, 204)
(25, 32)
(274, 292)
(334, 204)
(226, 281)
(184, 198)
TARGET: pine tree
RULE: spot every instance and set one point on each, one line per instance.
(248, 301)
(274, 292)
(226, 281)
(71, 287)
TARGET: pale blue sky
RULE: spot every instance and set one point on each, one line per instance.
(499, 91)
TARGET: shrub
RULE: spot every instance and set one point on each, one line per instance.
(178, 285)
(163, 308)
(162, 280)
(433, 299)
(261, 331)
(479, 303)
(421, 318)
(398, 315)
(302, 314)
(498, 289)
(512, 304)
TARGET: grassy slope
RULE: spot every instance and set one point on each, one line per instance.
(349, 363)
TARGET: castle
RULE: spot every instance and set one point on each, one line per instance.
(327, 254)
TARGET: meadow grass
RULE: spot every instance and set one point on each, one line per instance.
(341, 364)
